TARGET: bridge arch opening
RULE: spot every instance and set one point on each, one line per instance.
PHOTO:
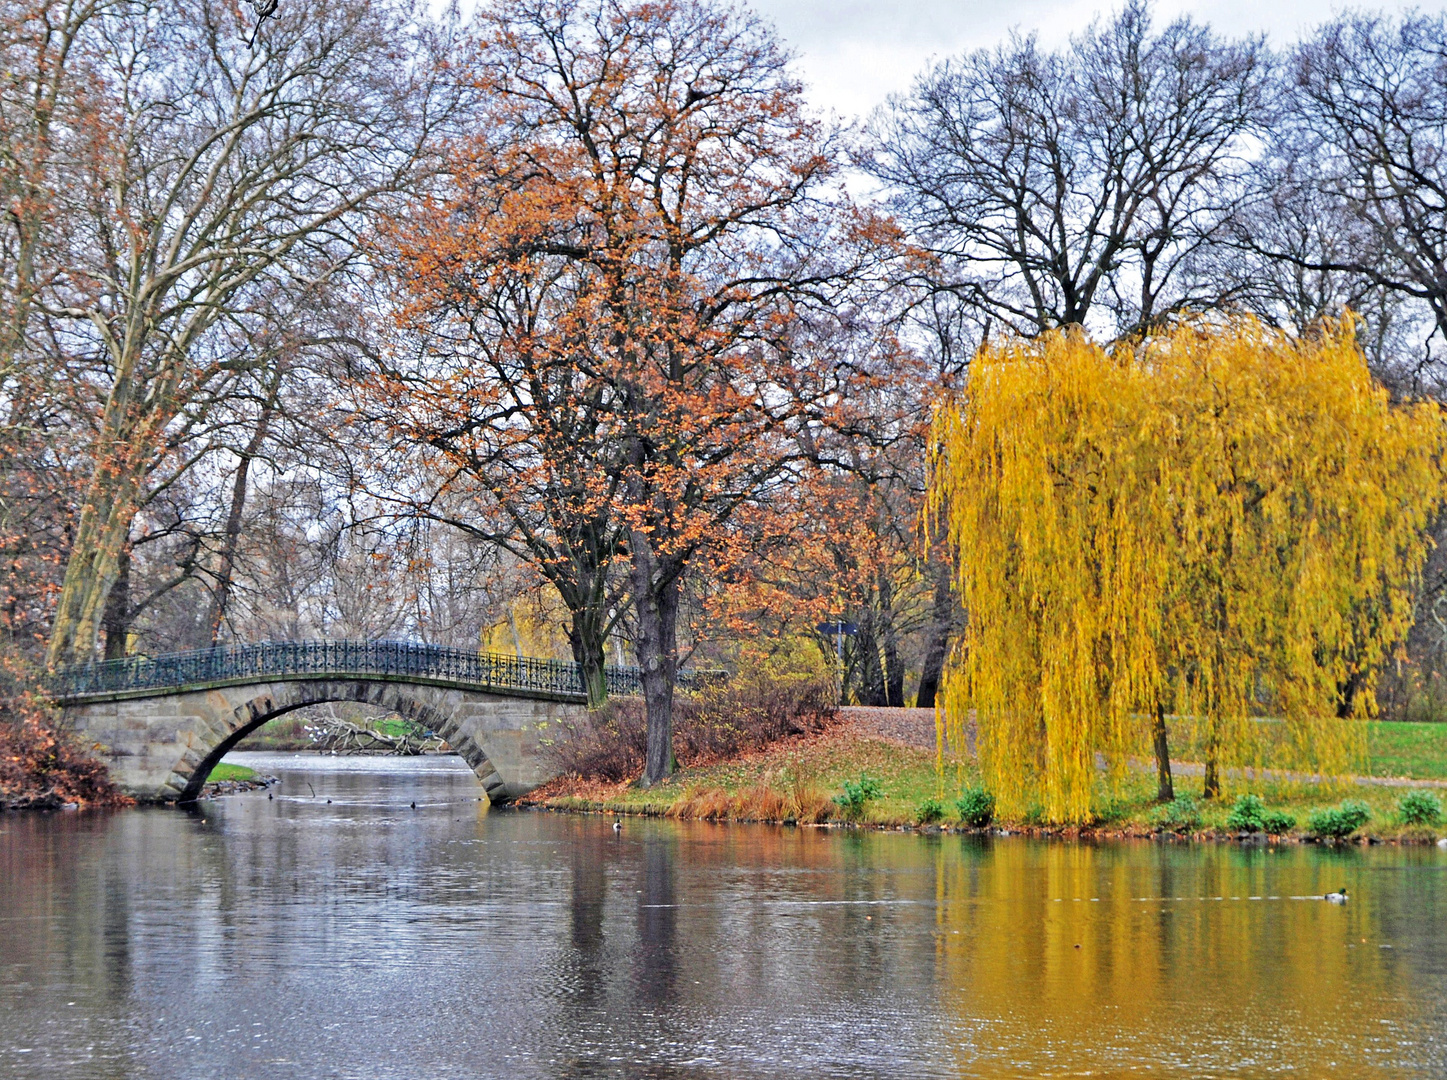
(267, 706)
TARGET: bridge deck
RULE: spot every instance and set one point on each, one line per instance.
(231, 665)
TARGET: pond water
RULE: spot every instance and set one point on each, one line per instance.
(296, 937)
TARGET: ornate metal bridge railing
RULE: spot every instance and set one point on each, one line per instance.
(484, 671)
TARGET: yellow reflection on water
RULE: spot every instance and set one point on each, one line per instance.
(1069, 959)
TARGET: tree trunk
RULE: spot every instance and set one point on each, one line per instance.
(893, 673)
(517, 641)
(585, 635)
(100, 536)
(1346, 695)
(117, 621)
(866, 660)
(1165, 789)
(933, 671)
(221, 595)
(129, 432)
(656, 595)
(1212, 787)
(889, 638)
(943, 620)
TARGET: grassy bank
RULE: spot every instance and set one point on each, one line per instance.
(804, 781)
(285, 733)
(229, 779)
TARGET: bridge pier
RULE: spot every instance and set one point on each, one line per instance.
(161, 745)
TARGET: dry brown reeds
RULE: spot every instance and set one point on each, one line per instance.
(769, 799)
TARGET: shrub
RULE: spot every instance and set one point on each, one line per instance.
(1182, 814)
(1343, 820)
(976, 807)
(1276, 822)
(857, 793)
(718, 721)
(609, 744)
(749, 712)
(1247, 815)
(1111, 809)
(929, 811)
(1419, 808)
(41, 765)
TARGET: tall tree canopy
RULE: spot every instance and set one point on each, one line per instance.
(611, 299)
(1353, 183)
(1075, 187)
(209, 172)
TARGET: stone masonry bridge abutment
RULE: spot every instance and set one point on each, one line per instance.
(162, 748)
(162, 723)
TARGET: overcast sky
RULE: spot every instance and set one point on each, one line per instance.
(855, 52)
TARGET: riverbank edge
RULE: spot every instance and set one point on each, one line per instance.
(215, 789)
(801, 782)
(1426, 838)
(45, 767)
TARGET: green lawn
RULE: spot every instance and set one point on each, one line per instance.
(394, 726)
(1407, 749)
(226, 771)
(801, 782)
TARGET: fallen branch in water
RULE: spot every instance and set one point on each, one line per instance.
(343, 737)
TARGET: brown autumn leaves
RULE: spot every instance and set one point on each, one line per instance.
(632, 301)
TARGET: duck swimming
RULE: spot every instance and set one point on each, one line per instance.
(1338, 897)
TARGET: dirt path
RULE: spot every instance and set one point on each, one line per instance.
(908, 727)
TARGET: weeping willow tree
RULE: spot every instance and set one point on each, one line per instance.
(1220, 523)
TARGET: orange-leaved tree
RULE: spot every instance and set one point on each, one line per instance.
(608, 295)
(841, 543)
(1219, 521)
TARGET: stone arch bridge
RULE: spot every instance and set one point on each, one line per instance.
(162, 723)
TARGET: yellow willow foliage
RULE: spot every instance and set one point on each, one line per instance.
(1225, 522)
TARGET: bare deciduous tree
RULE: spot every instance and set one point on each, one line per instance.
(217, 169)
(1074, 187)
(1352, 208)
(1283, 261)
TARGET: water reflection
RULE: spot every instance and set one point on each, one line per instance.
(1195, 959)
(360, 937)
(655, 972)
